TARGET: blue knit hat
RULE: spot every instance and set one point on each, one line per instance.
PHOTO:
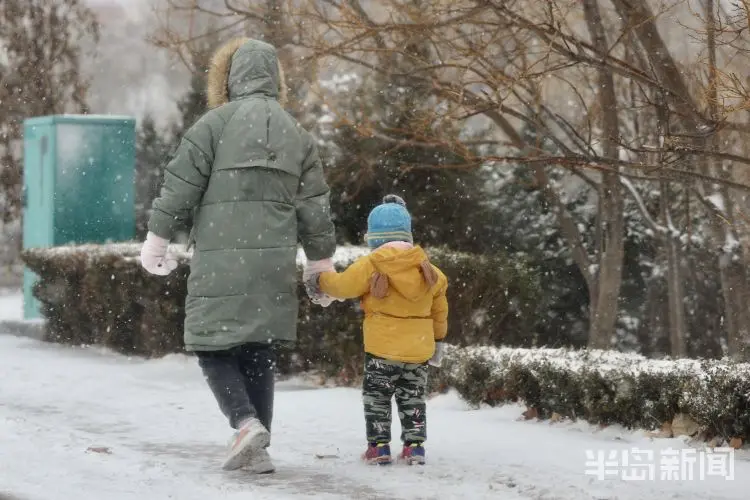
(388, 222)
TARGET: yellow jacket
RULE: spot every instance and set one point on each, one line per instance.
(413, 314)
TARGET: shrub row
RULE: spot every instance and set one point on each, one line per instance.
(100, 295)
(605, 387)
(93, 294)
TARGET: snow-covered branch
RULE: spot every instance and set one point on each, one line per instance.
(655, 226)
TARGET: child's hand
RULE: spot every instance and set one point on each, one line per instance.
(323, 300)
(437, 358)
(312, 287)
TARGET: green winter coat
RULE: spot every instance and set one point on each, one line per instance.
(251, 180)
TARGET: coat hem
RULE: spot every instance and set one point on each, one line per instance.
(399, 359)
(227, 347)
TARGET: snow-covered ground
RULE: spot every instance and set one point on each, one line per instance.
(11, 305)
(161, 436)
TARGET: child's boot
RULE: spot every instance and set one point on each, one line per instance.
(248, 441)
(413, 454)
(378, 453)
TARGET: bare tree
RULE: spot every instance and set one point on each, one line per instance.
(611, 221)
(479, 64)
(40, 76)
(511, 63)
(508, 98)
(734, 277)
(188, 27)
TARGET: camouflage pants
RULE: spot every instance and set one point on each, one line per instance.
(408, 382)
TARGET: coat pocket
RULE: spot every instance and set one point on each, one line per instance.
(269, 161)
(251, 182)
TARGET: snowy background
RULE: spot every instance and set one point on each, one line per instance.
(85, 422)
(676, 296)
(127, 75)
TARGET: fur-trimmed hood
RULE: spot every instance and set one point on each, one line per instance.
(243, 67)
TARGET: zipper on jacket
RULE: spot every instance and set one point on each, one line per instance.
(270, 155)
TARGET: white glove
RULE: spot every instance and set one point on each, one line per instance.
(324, 300)
(154, 256)
(314, 268)
(437, 358)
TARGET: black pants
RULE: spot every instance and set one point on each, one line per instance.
(242, 380)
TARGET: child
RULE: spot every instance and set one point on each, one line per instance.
(406, 313)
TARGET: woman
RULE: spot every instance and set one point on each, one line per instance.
(251, 180)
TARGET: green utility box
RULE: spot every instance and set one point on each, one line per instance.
(79, 184)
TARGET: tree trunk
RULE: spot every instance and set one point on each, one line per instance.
(638, 14)
(610, 220)
(734, 284)
(652, 332)
(675, 281)
(278, 30)
(606, 293)
(671, 245)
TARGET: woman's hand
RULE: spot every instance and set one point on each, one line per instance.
(154, 256)
(311, 277)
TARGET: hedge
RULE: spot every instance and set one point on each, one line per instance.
(606, 387)
(100, 295)
(92, 294)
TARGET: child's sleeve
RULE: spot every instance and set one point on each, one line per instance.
(440, 310)
(352, 283)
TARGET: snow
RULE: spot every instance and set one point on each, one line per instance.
(165, 436)
(602, 361)
(344, 255)
(130, 251)
(341, 82)
(642, 206)
(94, 116)
(731, 245)
(71, 145)
(717, 200)
(11, 305)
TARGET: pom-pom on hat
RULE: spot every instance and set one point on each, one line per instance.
(389, 221)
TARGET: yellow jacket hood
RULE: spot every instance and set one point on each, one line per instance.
(404, 271)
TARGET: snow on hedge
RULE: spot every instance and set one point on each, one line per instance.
(598, 360)
(344, 255)
(607, 387)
